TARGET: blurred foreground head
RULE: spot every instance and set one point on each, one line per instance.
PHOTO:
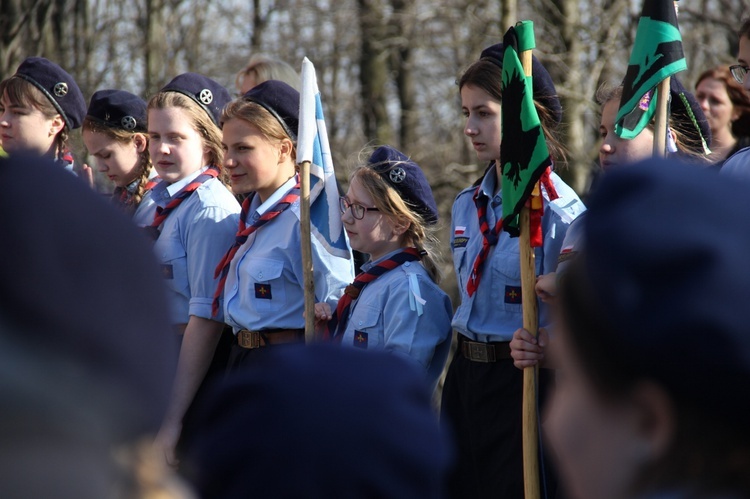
(86, 355)
(654, 346)
(320, 422)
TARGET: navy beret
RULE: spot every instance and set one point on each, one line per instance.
(118, 109)
(667, 255)
(279, 99)
(320, 422)
(689, 114)
(407, 178)
(207, 93)
(544, 88)
(79, 311)
(58, 86)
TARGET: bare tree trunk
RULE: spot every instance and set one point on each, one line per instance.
(154, 46)
(373, 72)
(508, 14)
(403, 66)
(574, 103)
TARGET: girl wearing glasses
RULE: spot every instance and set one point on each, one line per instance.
(261, 276)
(395, 303)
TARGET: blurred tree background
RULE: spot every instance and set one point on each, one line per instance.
(387, 68)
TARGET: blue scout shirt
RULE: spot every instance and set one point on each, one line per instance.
(193, 239)
(264, 286)
(494, 312)
(144, 213)
(403, 311)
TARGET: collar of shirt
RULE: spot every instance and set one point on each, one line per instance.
(367, 266)
(487, 188)
(271, 201)
(163, 192)
(133, 186)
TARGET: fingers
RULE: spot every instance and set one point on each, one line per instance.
(525, 349)
(322, 312)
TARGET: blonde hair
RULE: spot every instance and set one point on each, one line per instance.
(201, 123)
(390, 203)
(687, 148)
(260, 118)
(22, 93)
(264, 68)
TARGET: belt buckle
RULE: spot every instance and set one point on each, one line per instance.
(478, 352)
(248, 339)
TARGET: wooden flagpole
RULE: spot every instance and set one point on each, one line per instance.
(660, 121)
(306, 243)
(531, 324)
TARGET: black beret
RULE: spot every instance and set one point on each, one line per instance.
(544, 89)
(325, 422)
(689, 114)
(118, 109)
(407, 178)
(207, 93)
(83, 300)
(58, 86)
(279, 99)
(667, 254)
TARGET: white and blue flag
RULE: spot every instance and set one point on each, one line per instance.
(312, 146)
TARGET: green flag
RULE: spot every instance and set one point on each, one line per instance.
(657, 54)
(523, 150)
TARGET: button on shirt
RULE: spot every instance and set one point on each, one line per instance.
(264, 287)
(382, 318)
(494, 312)
(193, 239)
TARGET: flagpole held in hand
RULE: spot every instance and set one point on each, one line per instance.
(531, 324)
(305, 151)
(661, 117)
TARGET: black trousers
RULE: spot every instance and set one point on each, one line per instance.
(481, 404)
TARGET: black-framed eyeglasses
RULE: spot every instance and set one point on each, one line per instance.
(739, 72)
(358, 211)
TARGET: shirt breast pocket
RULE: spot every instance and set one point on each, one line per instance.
(460, 265)
(506, 282)
(173, 258)
(367, 327)
(267, 285)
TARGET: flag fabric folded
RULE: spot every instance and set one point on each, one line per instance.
(523, 152)
(313, 146)
(657, 54)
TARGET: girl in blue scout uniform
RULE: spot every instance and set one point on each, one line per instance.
(482, 392)
(39, 106)
(114, 132)
(261, 275)
(689, 131)
(195, 221)
(395, 303)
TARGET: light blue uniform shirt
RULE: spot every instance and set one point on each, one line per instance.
(388, 315)
(193, 240)
(494, 312)
(144, 214)
(264, 286)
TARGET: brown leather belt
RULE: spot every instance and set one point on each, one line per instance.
(484, 352)
(257, 339)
